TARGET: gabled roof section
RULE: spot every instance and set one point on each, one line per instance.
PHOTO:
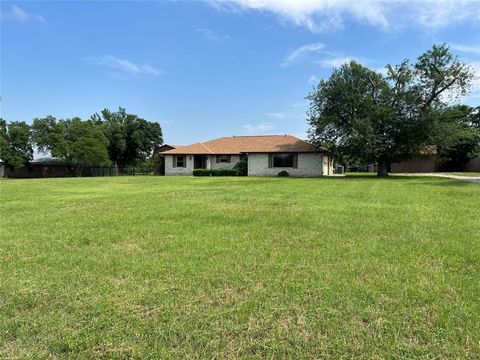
(246, 144)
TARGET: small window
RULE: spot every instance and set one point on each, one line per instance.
(283, 160)
(180, 161)
(223, 158)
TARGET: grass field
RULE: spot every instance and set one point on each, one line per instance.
(154, 267)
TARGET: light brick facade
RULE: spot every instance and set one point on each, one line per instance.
(308, 165)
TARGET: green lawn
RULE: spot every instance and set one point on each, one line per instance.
(155, 267)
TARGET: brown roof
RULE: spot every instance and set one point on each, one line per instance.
(246, 144)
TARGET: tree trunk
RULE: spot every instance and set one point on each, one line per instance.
(382, 169)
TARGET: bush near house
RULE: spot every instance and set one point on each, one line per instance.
(215, 172)
(242, 168)
(283, 174)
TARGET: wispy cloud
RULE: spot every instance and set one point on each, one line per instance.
(432, 15)
(475, 65)
(259, 128)
(22, 16)
(472, 49)
(330, 15)
(212, 35)
(303, 52)
(317, 54)
(124, 66)
(275, 115)
(335, 62)
(313, 79)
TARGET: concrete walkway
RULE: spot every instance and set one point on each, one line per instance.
(473, 179)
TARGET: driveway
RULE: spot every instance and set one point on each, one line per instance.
(473, 179)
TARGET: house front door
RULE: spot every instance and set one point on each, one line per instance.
(199, 162)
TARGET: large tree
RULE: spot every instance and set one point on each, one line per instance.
(15, 143)
(374, 118)
(131, 138)
(79, 143)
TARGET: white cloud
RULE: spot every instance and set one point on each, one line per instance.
(20, 15)
(124, 66)
(212, 35)
(476, 82)
(313, 79)
(472, 49)
(303, 52)
(317, 54)
(259, 128)
(276, 115)
(437, 14)
(330, 15)
(316, 15)
(382, 70)
(300, 104)
(335, 62)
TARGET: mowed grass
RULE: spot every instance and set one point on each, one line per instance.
(172, 267)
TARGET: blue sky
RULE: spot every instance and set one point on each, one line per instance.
(206, 69)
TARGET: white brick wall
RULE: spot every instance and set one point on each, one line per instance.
(170, 170)
(233, 160)
(309, 164)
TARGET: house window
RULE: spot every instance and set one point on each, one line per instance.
(284, 160)
(223, 159)
(180, 161)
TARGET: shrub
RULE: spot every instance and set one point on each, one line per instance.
(201, 172)
(215, 172)
(283, 174)
(225, 172)
(242, 167)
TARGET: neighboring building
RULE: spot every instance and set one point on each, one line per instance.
(473, 165)
(424, 162)
(266, 156)
(44, 167)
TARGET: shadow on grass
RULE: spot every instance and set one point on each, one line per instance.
(410, 180)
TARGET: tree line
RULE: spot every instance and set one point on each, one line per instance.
(105, 139)
(366, 117)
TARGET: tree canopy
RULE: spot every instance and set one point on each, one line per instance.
(131, 138)
(16, 148)
(111, 137)
(457, 135)
(366, 116)
(79, 143)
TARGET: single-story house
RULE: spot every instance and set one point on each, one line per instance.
(265, 155)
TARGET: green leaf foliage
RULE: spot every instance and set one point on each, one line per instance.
(365, 116)
(131, 139)
(78, 143)
(16, 148)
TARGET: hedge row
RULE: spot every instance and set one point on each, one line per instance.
(215, 172)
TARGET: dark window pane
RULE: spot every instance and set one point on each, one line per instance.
(283, 160)
(180, 161)
(224, 158)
